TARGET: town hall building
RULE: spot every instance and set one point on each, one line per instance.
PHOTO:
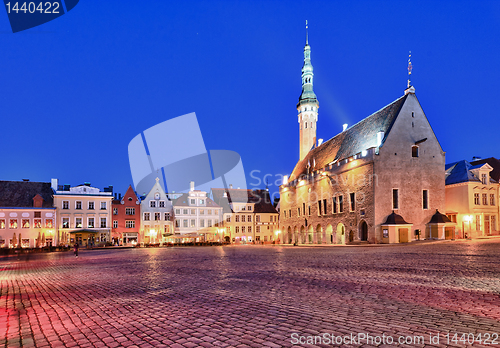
(378, 181)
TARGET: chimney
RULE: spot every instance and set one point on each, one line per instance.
(230, 186)
(344, 127)
(116, 195)
(225, 193)
(476, 158)
(120, 196)
(380, 137)
(191, 186)
(26, 180)
(320, 141)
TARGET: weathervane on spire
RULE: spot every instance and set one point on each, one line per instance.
(307, 41)
(410, 67)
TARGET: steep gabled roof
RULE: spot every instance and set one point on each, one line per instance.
(458, 172)
(19, 194)
(264, 205)
(357, 138)
(494, 163)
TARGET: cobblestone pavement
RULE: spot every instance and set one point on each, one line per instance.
(252, 296)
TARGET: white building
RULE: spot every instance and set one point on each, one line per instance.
(156, 216)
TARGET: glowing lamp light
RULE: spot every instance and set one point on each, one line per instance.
(364, 153)
(285, 180)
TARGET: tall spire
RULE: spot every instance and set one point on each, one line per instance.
(410, 67)
(307, 39)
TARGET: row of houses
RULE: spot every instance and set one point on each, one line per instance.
(37, 214)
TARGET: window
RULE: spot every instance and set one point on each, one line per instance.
(177, 223)
(103, 205)
(242, 229)
(257, 229)
(209, 212)
(352, 200)
(395, 199)
(334, 204)
(425, 199)
(325, 208)
(249, 229)
(25, 223)
(193, 223)
(162, 204)
(49, 223)
(209, 221)
(103, 222)
(289, 212)
(78, 205)
(249, 208)
(152, 204)
(202, 223)
(184, 211)
(492, 199)
(91, 205)
(265, 237)
(319, 207)
(476, 198)
(167, 216)
(484, 179)
(157, 216)
(485, 199)
(284, 212)
(65, 205)
(414, 151)
(130, 199)
(146, 216)
(13, 223)
(237, 229)
(298, 211)
(65, 222)
(78, 222)
(257, 218)
(478, 222)
(202, 211)
(202, 201)
(237, 218)
(242, 218)
(193, 201)
(249, 218)
(129, 223)
(115, 223)
(242, 208)
(38, 214)
(37, 223)
(129, 211)
(115, 211)
(91, 222)
(303, 209)
(177, 211)
(341, 204)
(193, 211)
(216, 222)
(228, 218)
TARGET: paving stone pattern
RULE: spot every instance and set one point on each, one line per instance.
(249, 296)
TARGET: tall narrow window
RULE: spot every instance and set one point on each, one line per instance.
(352, 197)
(476, 199)
(425, 199)
(319, 207)
(484, 179)
(395, 199)
(492, 199)
(325, 208)
(341, 204)
(485, 199)
(334, 204)
(303, 209)
(414, 151)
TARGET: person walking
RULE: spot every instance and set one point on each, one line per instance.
(76, 250)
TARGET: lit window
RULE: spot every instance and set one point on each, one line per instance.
(49, 223)
(13, 223)
(25, 223)
(37, 223)
(202, 211)
(78, 222)
(65, 222)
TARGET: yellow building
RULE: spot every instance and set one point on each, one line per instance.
(472, 199)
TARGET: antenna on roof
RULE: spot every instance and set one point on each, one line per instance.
(410, 67)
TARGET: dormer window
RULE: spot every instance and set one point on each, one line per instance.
(484, 179)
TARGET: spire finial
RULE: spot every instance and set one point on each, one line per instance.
(410, 67)
(307, 39)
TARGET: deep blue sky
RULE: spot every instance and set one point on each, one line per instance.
(76, 90)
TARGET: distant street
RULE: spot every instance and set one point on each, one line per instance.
(253, 296)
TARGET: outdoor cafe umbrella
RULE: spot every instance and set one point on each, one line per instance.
(14, 240)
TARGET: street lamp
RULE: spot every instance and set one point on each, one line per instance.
(278, 235)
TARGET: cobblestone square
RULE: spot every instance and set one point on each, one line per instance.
(251, 296)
